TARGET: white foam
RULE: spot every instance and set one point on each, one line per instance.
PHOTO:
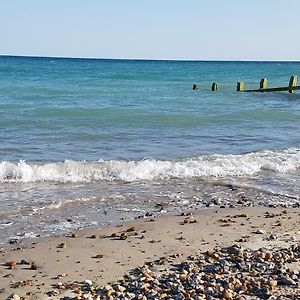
(149, 169)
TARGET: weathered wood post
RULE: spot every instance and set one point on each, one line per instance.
(195, 87)
(263, 84)
(214, 86)
(293, 82)
(240, 86)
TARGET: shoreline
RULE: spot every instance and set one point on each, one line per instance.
(106, 205)
(103, 255)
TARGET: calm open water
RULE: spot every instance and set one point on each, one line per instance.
(97, 140)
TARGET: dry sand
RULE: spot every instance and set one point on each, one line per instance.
(105, 255)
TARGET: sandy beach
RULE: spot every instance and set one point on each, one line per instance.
(149, 150)
(47, 268)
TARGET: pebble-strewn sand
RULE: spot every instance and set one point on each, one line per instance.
(170, 257)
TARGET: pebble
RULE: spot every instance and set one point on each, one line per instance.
(94, 236)
(222, 273)
(15, 297)
(11, 264)
(130, 229)
(62, 245)
(98, 256)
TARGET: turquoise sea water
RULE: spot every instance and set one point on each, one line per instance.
(81, 135)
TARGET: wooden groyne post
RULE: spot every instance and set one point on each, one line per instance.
(240, 86)
(195, 87)
(214, 87)
(263, 86)
(293, 83)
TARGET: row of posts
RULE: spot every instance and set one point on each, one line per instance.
(214, 87)
(263, 85)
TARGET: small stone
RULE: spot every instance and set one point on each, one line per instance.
(272, 237)
(94, 236)
(286, 281)
(33, 266)
(130, 229)
(243, 216)
(25, 262)
(268, 256)
(62, 245)
(154, 241)
(14, 241)
(272, 283)
(52, 293)
(217, 201)
(227, 294)
(60, 285)
(11, 264)
(123, 236)
(15, 297)
(120, 288)
(88, 282)
(236, 250)
(189, 220)
(110, 292)
(98, 256)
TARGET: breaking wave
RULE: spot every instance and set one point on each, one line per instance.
(284, 161)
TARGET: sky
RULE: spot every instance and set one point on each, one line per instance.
(153, 29)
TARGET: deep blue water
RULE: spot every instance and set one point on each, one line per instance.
(80, 109)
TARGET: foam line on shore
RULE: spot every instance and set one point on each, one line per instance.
(217, 165)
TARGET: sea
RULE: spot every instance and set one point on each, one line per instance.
(93, 142)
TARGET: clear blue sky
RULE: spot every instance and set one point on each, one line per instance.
(154, 29)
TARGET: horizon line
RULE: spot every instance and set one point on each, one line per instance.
(145, 59)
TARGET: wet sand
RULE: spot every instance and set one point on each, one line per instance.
(45, 268)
